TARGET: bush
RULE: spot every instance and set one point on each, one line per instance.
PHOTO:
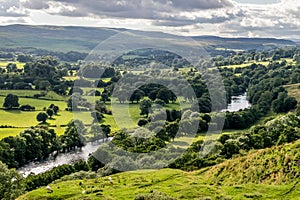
(27, 107)
(155, 195)
(142, 122)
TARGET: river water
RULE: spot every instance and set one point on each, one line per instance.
(237, 103)
(63, 158)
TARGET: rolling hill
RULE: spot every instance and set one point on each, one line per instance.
(264, 174)
(83, 39)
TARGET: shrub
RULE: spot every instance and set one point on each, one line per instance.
(155, 195)
(27, 107)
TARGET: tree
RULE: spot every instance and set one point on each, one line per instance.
(11, 184)
(73, 136)
(96, 130)
(172, 129)
(42, 117)
(145, 105)
(55, 109)
(137, 96)
(104, 97)
(142, 122)
(97, 116)
(50, 112)
(231, 147)
(164, 94)
(11, 101)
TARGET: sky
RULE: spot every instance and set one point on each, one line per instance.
(227, 18)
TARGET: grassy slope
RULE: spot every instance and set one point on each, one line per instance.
(264, 174)
(294, 90)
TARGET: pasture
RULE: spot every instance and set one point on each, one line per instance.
(4, 63)
(50, 95)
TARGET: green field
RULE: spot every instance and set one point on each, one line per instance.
(6, 132)
(39, 104)
(265, 63)
(30, 93)
(263, 174)
(21, 119)
(294, 90)
(5, 63)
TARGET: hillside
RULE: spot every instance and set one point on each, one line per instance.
(240, 178)
(84, 39)
(244, 43)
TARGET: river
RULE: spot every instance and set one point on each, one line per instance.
(63, 158)
(237, 103)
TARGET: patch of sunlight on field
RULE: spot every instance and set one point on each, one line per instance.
(6, 132)
(124, 115)
(265, 63)
(5, 63)
(106, 80)
(30, 93)
(17, 118)
(70, 78)
(59, 130)
(85, 117)
(294, 90)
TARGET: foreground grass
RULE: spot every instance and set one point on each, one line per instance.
(264, 174)
(175, 183)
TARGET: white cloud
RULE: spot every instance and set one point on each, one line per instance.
(189, 17)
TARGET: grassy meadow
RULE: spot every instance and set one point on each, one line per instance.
(4, 63)
(262, 174)
(294, 90)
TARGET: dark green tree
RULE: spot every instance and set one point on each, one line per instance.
(11, 101)
(42, 117)
(50, 112)
(145, 105)
(11, 183)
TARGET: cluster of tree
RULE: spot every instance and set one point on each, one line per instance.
(6, 55)
(24, 58)
(274, 132)
(31, 144)
(237, 58)
(266, 87)
(164, 86)
(49, 112)
(44, 73)
(11, 183)
(40, 142)
(97, 71)
(161, 58)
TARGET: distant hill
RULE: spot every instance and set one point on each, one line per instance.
(245, 43)
(84, 39)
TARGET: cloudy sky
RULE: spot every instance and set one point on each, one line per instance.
(229, 18)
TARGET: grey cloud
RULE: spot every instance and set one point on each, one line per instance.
(15, 21)
(200, 4)
(9, 8)
(182, 22)
(145, 9)
(35, 4)
(235, 29)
